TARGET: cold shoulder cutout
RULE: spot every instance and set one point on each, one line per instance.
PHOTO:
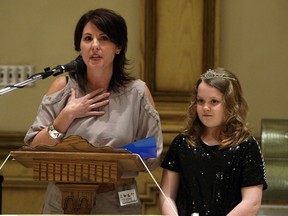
(57, 85)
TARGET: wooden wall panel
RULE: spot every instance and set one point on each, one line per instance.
(180, 42)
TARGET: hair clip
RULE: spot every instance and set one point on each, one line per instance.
(211, 74)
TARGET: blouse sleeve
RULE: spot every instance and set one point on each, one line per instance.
(48, 110)
(149, 125)
(253, 165)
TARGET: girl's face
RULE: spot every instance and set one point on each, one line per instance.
(209, 107)
(97, 50)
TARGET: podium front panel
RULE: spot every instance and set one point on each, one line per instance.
(75, 171)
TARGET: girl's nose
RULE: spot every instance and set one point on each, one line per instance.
(206, 106)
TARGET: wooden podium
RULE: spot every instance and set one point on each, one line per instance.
(78, 168)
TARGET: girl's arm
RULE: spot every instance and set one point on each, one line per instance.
(251, 201)
(169, 185)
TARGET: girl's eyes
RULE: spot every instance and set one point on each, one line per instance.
(200, 101)
(213, 102)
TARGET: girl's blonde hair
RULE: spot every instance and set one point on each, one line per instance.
(234, 129)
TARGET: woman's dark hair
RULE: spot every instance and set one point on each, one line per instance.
(114, 26)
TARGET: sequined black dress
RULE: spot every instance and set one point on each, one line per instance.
(211, 179)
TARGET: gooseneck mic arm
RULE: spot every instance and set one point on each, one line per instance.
(72, 66)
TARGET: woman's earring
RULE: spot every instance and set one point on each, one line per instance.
(117, 52)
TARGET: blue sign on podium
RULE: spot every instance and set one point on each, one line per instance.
(146, 148)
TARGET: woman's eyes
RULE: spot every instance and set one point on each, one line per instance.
(100, 38)
(88, 38)
(104, 38)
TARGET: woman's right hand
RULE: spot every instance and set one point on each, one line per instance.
(75, 108)
(86, 105)
(81, 107)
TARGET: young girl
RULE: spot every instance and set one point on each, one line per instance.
(215, 166)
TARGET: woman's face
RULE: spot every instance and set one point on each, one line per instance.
(210, 107)
(97, 49)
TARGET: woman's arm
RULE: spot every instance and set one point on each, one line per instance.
(75, 108)
(149, 96)
(169, 185)
(251, 201)
(151, 126)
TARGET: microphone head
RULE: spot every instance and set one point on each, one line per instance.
(74, 66)
(80, 65)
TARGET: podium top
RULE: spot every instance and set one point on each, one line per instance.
(76, 149)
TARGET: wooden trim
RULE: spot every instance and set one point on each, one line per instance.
(10, 141)
(150, 43)
(209, 27)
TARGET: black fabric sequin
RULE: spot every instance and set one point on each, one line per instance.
(211, 179)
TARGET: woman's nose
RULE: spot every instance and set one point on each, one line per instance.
(95, 43)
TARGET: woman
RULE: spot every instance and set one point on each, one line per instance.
(215, 166)
(101, 103)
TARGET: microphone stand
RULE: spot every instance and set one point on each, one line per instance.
(1, 180)
(43, 75)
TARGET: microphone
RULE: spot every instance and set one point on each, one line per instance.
(73, 66)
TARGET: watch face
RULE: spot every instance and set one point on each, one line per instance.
(54, 133)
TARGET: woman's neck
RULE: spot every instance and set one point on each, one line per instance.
(96, 80)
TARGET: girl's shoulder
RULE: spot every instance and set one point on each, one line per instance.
(180, 141)
(250, 141)
(249, 146)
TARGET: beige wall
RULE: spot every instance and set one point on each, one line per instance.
(40, 33)
(253, 44)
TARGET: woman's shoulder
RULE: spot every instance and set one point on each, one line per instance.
(59, 88)
(133, 87)
(136, 84)
(57, 85)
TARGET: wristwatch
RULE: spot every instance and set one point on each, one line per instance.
(53, 133)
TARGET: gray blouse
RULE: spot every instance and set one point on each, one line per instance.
(128, 117)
